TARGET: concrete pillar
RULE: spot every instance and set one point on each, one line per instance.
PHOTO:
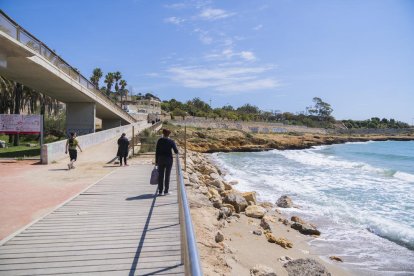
(110, 123)
(80, 118)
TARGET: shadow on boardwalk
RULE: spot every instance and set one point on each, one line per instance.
(116, 227)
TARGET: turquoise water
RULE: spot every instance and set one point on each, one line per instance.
(361, 196)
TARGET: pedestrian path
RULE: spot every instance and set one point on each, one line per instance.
(116, 227)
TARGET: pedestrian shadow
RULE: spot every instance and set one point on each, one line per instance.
(54, 170)
(144, 196)
(111, 166)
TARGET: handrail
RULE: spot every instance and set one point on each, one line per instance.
(189, 252)
(26, 38)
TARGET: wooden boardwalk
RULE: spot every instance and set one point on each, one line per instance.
(116, 227)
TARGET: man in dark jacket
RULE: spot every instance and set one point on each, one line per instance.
(123, 148)
(164, 161)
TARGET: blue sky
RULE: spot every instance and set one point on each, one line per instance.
(357, 55)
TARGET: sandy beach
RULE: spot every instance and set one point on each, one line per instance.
(254, 240)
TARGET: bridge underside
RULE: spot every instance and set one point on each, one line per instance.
(23, 65)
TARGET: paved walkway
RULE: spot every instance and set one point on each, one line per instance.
(116, 227)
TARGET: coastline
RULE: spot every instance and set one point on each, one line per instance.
(206, 140)
(228, 234)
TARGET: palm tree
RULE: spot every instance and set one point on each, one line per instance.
(123, 84)
(109, 80)
(117, 77)
(6, 95)
(96, 76)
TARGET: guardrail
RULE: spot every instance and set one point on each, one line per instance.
(10, 27)
(189, 252)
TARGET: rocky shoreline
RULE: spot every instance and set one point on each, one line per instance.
(237, 235)
(227, 140)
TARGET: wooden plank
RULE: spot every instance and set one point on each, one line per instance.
(116, 227)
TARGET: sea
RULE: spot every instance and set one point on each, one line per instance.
(360, 196)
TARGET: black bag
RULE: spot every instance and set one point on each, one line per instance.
(154, 176)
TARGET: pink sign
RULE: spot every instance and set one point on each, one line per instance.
(20, 124)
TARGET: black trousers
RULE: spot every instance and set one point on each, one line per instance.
(120, 159)
(164, 172)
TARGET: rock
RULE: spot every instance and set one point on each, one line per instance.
(203, 190)
(224, 213)
(297, 219)
(261, 270)
(285, 222)
(285, 243)
(336, 258)
(267, 205)
(227, 186)
(217, 183)
(257, 232)
(231, 207)
(265, 223)
(284, 202)
(219, 237)
(305, 229)
(217, 203)
(213, 193)
(307, 267)
(238, 202)
(284, 259)
(250, 196)
(214, 176)
(270, 237)
(234, 182)
(255, 211)
(194, 178)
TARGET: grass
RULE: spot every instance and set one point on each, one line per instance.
(19, 151)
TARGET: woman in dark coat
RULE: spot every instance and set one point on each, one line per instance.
(123, 148)
(164, 161)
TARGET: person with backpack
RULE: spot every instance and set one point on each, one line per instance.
(164, 161)
(123, 148)
(71, 145)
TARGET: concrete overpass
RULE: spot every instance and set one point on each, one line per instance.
(25, 59)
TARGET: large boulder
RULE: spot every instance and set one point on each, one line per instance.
(227, 186)
(284, 202)
(214, 176)
(255, 211)
(217, 183)
(305, 229)
(261, 270)
(250, 197)
(305, 267)
(238, 202)
(224, 213)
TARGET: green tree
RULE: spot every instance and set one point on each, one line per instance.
(109, 80)
(96, 76)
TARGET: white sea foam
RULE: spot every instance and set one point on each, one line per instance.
(343, 197)
(404, 176)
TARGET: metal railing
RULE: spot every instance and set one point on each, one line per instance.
(11, 28)
(189, 252)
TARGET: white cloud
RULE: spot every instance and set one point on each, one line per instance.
(246, 55)
(229, 54)
(174, 20)
(214, 14)
(204, 36)
(224, 79)
(258, 27)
